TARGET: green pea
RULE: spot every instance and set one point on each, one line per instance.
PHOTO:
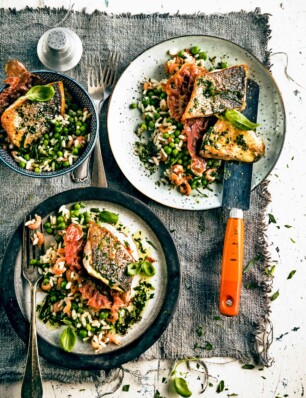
(63, 285)
(204, 181)
(65, 130)
(49, 231)
(37, 170)
(169, 120)
(166, 135)
(58, 129)
(177, 133)
(151, 125)
(74, 305)
(179, 161)
(83, 333)
(80, 310)
(66, 164)
(88, 327)
(76, 206)
(224, 65)
(71, 120)
(104, 315)
(46, 281)
(163, 95)
(75, 212)
(61, 226)
(47, 225)
(168, 150)
(60, 219)
(150, 93)
(172, 145)
(143, 126)
(180, 126)
(87, 219)
(78, 132)
(181, 54)
(22, 165)
(195, 50)
(83, 128)
(46, 143)
(145, 101)
(209, 162)
(57, 135)
(177, 140)
(156, 116)
(53, 299)
(78, 123)
(27, 157)
(80, 112)
(203, 55)
(60, 154)
(175, 152)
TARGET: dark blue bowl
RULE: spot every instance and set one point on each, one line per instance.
(83, 99)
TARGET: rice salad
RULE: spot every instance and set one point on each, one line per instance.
(72, 294)
(162, 143)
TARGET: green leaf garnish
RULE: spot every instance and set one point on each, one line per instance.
(291, 274)
(107, 216)
(126, 388)
(220, 387)
(239, 120)
(68, 339)
(271, 219)
(181, 387)
(275, 295)
(40, 93)
(248, 366)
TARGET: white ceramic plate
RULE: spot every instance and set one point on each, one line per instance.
(122, 121)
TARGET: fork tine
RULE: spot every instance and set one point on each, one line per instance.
(24, 244)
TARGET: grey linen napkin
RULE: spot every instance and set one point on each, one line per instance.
(198, 235)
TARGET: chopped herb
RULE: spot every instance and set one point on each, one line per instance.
(292, 240)
(150, 243)
(208, 346)
(157, 394)
(271, 219)
(288, 226)
(217, 318)
(275, 295)
(164, 379)
(126, 388)
(248, 366)
(291, 274)
(199, 331)
(220, 387)
(253, 261)
(232, 395)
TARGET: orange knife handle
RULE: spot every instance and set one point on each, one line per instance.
(232, 264)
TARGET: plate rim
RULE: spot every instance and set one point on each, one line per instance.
(265, 70)
(135, 348)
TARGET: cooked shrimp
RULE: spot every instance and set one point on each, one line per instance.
(211, 174)
(34, 224)
(59, 281)
(67, 307)
(113, 338)
(40, 238)
(59, 266)
(185, 188)
(46, 286)
(57, 306)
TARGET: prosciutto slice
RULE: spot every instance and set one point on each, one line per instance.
(179, 88)
(73, 241)
(194, 130)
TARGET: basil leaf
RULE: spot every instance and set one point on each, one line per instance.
(248, 366)
(275, 295)
(40, 93)
(147, 268)
(291, 274)
(68, 339)
(181, 387)
(239, 120)
(107, 216)
(220, 387)
(133, 269)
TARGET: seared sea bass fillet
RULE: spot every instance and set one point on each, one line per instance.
(106, 258)
(226, 142)
(217, 91)
(25, 121)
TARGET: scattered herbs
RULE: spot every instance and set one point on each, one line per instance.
(220, 387)
(291, 274)
(253, 261)
(157, 394)
(208, 346)
(271, 219)
(199, 331)
(248, 366)
(68, 339)
(288, 226)
(275, 295)
(181, 387)
(126, 388)
(292, 240)
(151, 244)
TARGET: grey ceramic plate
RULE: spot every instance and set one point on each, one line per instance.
(122, 121)
(136, 216)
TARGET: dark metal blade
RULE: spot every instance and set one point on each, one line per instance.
(237, 175)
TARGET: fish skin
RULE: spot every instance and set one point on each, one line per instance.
(216, 91)
(13, 118)
(106, 258)
(221, 143)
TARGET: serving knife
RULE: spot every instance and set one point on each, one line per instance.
(236, 196)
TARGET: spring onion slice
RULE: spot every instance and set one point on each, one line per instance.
(147, 268)
(133, 269)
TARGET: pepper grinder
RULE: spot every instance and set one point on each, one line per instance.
(60, 49)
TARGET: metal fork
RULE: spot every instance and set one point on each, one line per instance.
(32, 381)
(100, 85)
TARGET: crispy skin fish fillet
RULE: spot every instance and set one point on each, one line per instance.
(217, 91)
(26, 121)
(106, 258)
(224, 141)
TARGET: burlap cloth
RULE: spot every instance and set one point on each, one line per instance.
(198, 235)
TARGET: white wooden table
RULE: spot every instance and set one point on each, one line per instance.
(287, 186)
